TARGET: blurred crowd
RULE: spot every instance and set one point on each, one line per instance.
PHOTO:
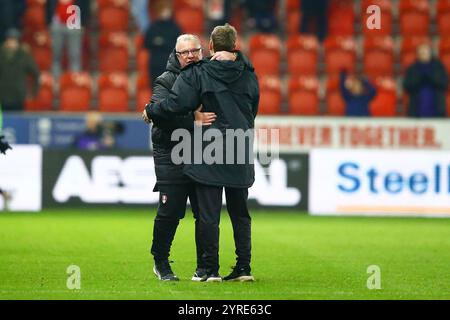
(156, 24)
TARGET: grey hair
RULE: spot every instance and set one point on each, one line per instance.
(188, 37)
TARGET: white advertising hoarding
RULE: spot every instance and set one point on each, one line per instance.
(300, 134)
(369, 182)
(21, 175)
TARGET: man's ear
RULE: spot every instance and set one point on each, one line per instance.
(211, 47)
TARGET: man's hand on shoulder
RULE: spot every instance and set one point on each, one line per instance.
(224, 56)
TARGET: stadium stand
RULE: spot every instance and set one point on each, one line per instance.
(280, 58)
(44, 99)
(75, 91)
(113, 92)
(113, 16)
(379, 56)
(265, 53)
(270, 95)
(304, 96)
(386, 22)
(302, 55)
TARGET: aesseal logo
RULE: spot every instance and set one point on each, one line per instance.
(130, 180)
(380, 182)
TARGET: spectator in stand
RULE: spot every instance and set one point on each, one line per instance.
(218, 13)
(357, 93)
(11, 13)
(261, 15)
(61, 34)
(16, 64)
(160, 39)
(426, 82)
(94, 137)
(314, 11)
(140, 11)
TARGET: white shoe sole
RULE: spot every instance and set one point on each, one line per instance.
(156, 273)
(242, 279)
(214, 279)
(197, 279)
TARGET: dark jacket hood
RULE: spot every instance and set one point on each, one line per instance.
(225, 71)
(173, 64)
(228, 71)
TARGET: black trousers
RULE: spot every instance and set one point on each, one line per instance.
(172, 208)
(210, 203)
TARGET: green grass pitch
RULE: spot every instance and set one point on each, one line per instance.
(295, 256)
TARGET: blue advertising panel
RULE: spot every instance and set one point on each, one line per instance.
(59, 131)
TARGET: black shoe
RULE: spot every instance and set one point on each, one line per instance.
(164, 272)
(241, 274)
(212, 277)
(199, 275)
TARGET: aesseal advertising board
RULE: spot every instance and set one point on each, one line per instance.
(128, 178)
(369, 182)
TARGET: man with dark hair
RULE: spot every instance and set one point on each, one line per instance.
(230, 90)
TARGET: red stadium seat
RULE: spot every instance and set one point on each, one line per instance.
(304, 96)
(408, 50)
(293, 5)
(143, 91)
(190, 19)
(293, 22)
(113, 92)
(265, 54)
(334, 101)
(443, 17)
(386, 17)
(340, 53)
(444, 52)
(41, 50)
(112, 17)
(385, 102)
(341, 17)
(34, 17)
(302, 55)
(448, 104)
(113, 52)
(142, 55)
(44, 99)
(198, 4)
(293, 17)
(414, 17)
(378, 56)
(270, 95)
(75, 91)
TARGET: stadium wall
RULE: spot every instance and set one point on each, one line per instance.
(326, 166)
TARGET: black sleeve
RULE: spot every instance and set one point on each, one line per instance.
(182, 99)
(439, 77)
(160, 92)
(33, 70)
(256, 99)
(412, 80)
